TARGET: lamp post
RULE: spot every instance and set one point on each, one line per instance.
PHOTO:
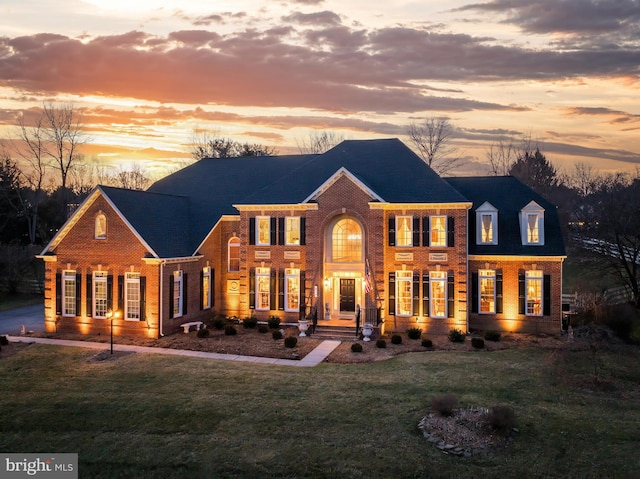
(110, 315)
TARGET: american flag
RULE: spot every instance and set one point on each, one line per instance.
(367, 278)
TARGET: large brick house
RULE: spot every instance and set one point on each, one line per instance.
(366, 226)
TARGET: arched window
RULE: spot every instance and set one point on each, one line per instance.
(346, 241)
(234, 254)
(101, 226)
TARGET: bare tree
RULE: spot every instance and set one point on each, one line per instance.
(319, 141)
(584, 179)
(432, 140)
(506, 151)
(207, 145)
(135, 178)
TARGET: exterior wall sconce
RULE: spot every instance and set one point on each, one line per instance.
(327, 283)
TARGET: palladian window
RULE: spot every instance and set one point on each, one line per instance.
(346, 242)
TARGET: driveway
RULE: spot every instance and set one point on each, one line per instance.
(31, 317)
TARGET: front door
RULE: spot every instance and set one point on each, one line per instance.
(347, 295)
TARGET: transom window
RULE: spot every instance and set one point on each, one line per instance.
(404, 236)
(263, 230)
(404, 293)
(438, 230)
(438, 294)
(292, 289)
(533, 288)
(132, 297)
(69, 293)
(346, 241)
(100, 294)
(292, 230)
(262, 288)
(101, 226)
(487, 279)
(234, 255)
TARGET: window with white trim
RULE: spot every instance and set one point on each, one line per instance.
(263, 230)
(263, 289)
(234, 255)
(291, 289)
(100, 231)
(132, 298)
(177, 294)
(487, 288)
(532, 224)
(533, 290)
(487, 224)
(438, 294)
(69, 293)
(100, 294)
(404, 293)
(438, 230)
(206, 287)
(404, 235)
(292, 230)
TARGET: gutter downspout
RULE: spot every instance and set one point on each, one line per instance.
(160, 333)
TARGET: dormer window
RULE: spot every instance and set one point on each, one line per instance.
(100, 231)
(532, 224)
(487, 224)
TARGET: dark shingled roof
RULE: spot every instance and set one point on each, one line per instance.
(508, 195)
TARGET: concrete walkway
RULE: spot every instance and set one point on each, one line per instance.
(314, 358)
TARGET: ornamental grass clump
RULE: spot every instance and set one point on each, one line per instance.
(219, 322)
(445, 405)
(273, 322)
(456, 336)
(250, 322)
(414, 333)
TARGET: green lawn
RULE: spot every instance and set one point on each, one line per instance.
(166, 417)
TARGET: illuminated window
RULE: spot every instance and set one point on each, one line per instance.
(438, 230)
(438, 294)
(100, 294)
(404, 236)
(292, 230)
(487, 279)
(533, 288)
(292, 289)
(177, 294)
(101, 226)
(486, 224)
(69, 293)
(206, 288)
(263, 230)
(234, 255)
(132, 298)
(532, 224)
(346, 242)
(404, 293)
(263, 290)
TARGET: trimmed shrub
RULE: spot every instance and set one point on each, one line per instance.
(230, 330)
(414, 333)
(456, 336)
(263, 328)
(501, 419)
(492, 335)
(250, 322)
(4, 341)
(290, 341)
(477, 343)
(356, 348)
(203, 333)
(444, 405)
(219, 322)
(273, 322)
(381, 343)
(396, 339)
(276, 334)
(427, 343)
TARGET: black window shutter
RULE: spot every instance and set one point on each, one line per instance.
(451, 290)
(281, 231)
(252, 288)
(273, 282)
(89, 303)
(201, 290)
(303, 292)
(392, 231)
(171, 296)
(425, 231)
(110, 292)
(474, 292)
(546, 295)
(303, 231)
(281, 290)
(272, 230)
(521, 297)
(143, 297)
(416, 231)
(392, 294)
(185, 292)
(498, 292)
(121, 294)
(78, 293)
(451, 230)
(416, 293)
(58, 294)
(425, 294)
(252, 231)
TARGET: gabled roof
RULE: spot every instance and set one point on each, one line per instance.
(509, 196)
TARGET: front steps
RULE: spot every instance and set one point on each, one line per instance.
(340, 333)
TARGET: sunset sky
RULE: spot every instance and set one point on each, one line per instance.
(145, 74)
